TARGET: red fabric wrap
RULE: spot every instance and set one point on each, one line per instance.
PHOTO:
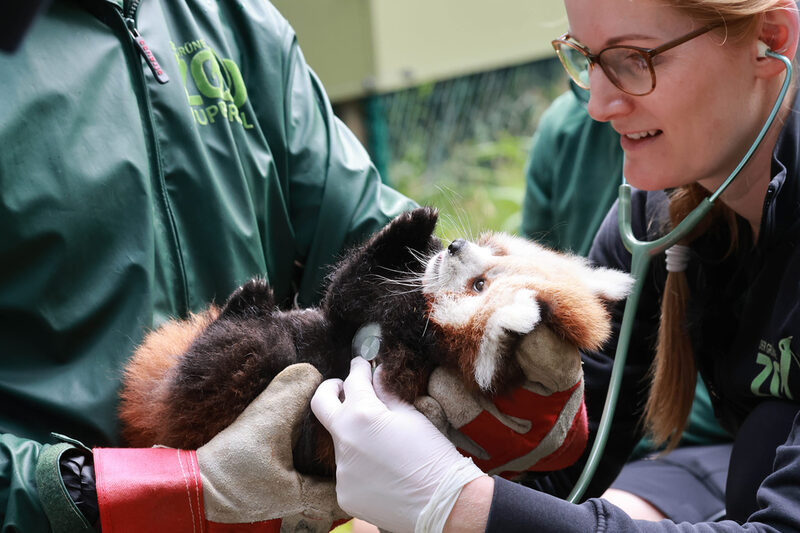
(571, 449)
(503, 444)
(157, 490)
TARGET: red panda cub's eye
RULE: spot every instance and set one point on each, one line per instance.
(478, 285)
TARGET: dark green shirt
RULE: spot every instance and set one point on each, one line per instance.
(572, 176)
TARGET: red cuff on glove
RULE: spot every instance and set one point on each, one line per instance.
(158, 490)
(559, 418)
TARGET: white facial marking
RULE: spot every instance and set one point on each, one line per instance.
(515, 271)
(485, 364)
(452, 311)
(520, 316)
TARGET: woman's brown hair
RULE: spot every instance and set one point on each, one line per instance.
(673, 372)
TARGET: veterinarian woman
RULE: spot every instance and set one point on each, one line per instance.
(156, 154)
(686, 114)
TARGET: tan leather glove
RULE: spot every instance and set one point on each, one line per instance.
(247, 468)
(540, 426)
(243, 476)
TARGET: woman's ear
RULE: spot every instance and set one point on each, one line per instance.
(780, 29)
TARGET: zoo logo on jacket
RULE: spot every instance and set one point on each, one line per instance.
(217, 91)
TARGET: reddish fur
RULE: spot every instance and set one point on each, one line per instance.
(557, 281)
(191, 379)
(578, 315)
(464, 343)
(582, 321)
(143, 400)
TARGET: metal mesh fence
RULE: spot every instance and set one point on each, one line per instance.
(461, 144)
(427, 123)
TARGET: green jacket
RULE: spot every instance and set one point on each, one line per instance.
(574, 170)
(126, 201)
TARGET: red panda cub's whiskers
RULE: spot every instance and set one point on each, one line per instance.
(398, 281)
(397, 287)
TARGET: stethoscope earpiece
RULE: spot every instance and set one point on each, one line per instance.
(762, 48)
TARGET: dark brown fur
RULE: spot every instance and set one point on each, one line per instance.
(190, 379)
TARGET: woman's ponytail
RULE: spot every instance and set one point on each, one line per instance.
(673, 373)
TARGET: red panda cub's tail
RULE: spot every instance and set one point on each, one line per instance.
(144, 397)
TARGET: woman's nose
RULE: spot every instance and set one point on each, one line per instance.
(606, 101)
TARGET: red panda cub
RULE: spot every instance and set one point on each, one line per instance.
(466, 308)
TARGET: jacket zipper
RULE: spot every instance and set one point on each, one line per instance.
(127, 18)
(144, 50)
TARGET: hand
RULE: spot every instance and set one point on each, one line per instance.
(393, 467)
(541, 426)
(247, 469)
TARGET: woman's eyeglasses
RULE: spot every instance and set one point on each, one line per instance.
(629, 68)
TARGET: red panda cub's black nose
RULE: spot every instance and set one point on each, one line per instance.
(455, 246)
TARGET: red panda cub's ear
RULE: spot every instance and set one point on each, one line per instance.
(575, 308)
(610, 285)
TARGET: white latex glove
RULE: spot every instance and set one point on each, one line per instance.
(393, 467)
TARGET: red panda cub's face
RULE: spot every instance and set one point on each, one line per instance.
(484, 296)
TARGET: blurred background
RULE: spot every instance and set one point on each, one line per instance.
(445, 94)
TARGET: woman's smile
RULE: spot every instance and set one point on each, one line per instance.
(635, 140)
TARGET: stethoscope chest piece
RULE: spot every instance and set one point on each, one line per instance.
(367, 341)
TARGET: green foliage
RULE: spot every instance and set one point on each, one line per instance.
(479, 187)
(461, 145)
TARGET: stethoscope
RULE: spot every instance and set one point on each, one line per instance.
(641, 253)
